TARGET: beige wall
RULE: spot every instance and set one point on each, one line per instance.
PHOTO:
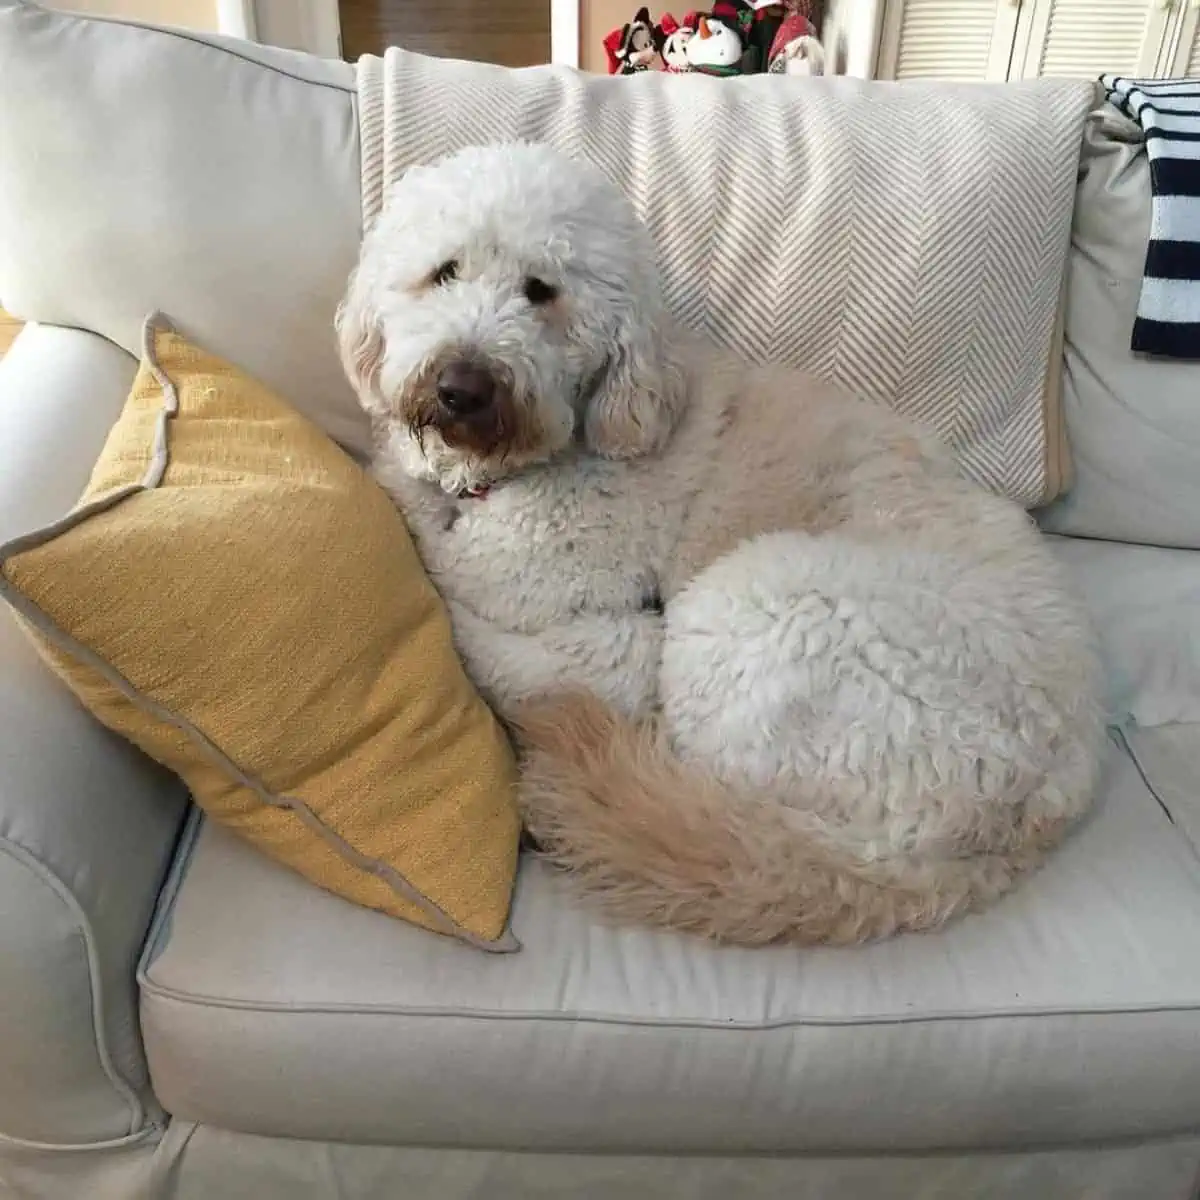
(598, 18)
(193, 14)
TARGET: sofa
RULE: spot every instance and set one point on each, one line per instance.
(182, 1019)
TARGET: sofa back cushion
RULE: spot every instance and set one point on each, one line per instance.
(145, 169)
(906, 242)
(223, 183)
(1133, 422)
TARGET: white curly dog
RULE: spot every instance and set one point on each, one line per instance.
(778, 672)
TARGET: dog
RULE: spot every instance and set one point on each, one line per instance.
(776, 671)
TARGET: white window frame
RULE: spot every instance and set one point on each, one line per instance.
(1179, 49)
(314, 26)
(237, 18)
(564, 32)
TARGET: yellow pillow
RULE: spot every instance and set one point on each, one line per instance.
(238, 598)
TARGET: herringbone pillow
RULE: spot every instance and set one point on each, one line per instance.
(905, 242)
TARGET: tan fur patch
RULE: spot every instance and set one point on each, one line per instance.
(650, 840)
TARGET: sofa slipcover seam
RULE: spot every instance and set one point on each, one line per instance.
(186, 1129)
(185, 35)
(356, 113)
(83, 927)
(146, 1133)
(33, 325)
(181, 857)
(160, 991)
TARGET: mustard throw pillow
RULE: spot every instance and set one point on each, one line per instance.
(237, 597)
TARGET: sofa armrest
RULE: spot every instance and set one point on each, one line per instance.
(87, 824)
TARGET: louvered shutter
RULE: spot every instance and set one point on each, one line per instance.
(1085, 38)
(946, 39)
(1187, 55)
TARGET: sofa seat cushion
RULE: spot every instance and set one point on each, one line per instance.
(1169, 757)
(1068, 1013)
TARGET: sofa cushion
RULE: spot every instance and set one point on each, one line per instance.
(222, 185)
(1133, 422)
(1145, 604)
(1069, 1012)
(243, 602)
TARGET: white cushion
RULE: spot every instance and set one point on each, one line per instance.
(210, 178)
(1068, 1013)
(1133, 422)
(223, 186)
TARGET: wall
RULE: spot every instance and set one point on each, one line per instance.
(193, 14)
(598, 18)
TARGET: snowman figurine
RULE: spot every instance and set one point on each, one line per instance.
(715, 48)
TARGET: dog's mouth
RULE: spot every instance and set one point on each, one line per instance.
(474, 407)
(485, 435)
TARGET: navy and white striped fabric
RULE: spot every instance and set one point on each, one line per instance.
(1168, 110)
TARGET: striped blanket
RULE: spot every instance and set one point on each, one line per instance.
(1168, 110)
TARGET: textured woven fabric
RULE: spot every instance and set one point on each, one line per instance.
(238, 598)
(1168, 111)
(907, 242)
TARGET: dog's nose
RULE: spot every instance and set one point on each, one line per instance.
(464, 388)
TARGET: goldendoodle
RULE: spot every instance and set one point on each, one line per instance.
(778, 672)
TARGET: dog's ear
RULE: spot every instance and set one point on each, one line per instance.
(641, 392)
(360, 342)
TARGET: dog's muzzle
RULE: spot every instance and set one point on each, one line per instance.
(472, 406)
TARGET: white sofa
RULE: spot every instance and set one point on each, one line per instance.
(179, 1018)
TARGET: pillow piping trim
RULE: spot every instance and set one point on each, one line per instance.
(506, 943)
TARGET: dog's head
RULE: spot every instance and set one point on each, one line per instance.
(506, 303)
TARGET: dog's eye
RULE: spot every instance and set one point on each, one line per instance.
(445, 273)
(539, 292)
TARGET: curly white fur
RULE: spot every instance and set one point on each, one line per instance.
(778, 671)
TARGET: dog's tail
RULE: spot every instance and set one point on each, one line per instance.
(654, 841)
